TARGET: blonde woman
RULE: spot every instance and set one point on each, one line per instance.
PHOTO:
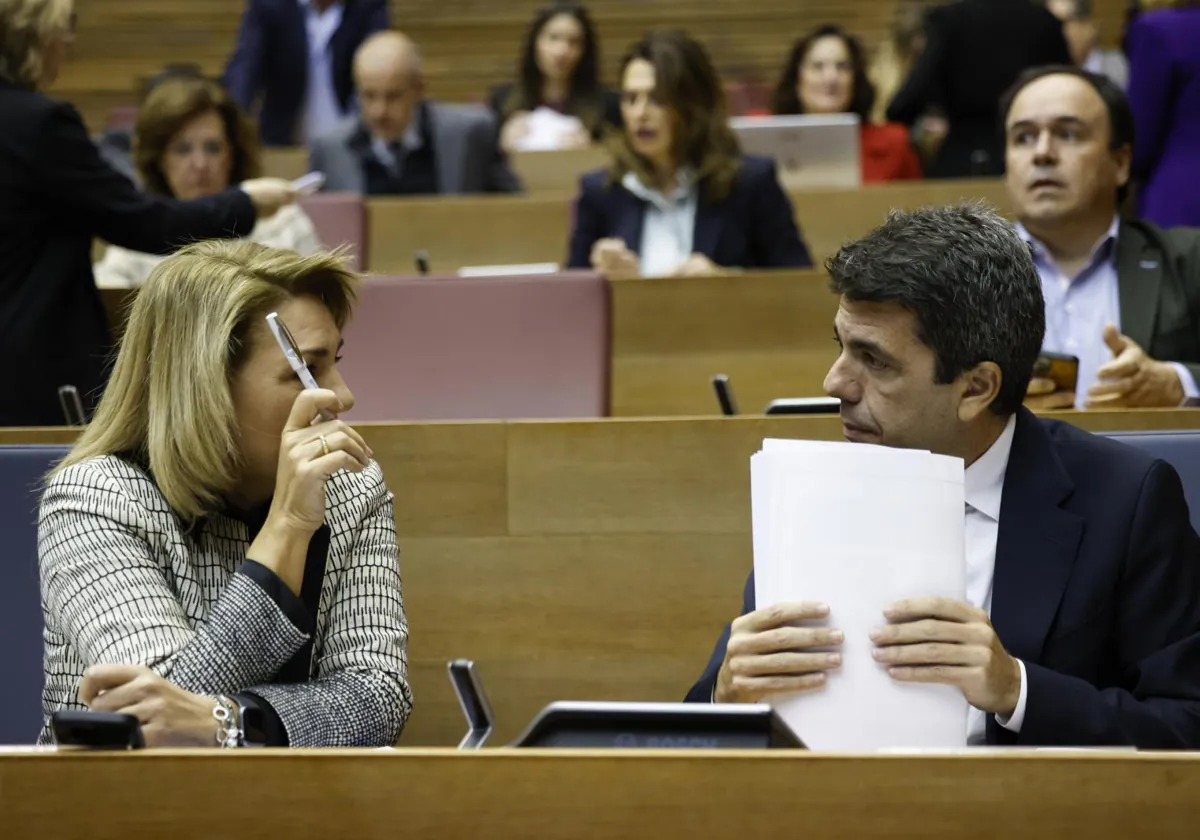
(56, 196)
(191, 140)
(215, 559)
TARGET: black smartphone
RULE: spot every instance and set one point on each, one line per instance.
(724, 391)
(474, 702)
(96, 730)
(1060, 368)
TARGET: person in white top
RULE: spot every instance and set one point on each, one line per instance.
(191, 140)
(1081, 622)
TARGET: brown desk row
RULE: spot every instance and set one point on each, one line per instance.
(577, 560)
(770, 332)
(459, 231)
(592, 795)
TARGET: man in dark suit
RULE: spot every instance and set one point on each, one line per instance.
(403, 143)
(974, 49)
(1081, 624)
(297, 54)
(1121, 295)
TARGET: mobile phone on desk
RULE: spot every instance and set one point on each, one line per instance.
(1060, 368)
(96, 730)
(310, 183)
(294, 356)
(724, 392)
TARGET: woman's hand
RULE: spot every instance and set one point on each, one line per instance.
(308, 456)
(170, 716)
(514, 131)
(697, 265)
(269, 194)
(612, 258)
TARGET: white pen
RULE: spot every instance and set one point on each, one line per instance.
(295, 358)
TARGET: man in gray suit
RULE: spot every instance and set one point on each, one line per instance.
(1122, 295)
(404, 144)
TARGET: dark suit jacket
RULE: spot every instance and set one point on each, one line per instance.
(56, 194)
(610, 107)
(753, 227)
(1096, 590)
(271, 59)
(974, 50)
(1158, 291)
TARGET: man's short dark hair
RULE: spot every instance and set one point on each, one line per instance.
(970, 281)
(1120, 115)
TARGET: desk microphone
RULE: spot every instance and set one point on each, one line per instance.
(421, 260)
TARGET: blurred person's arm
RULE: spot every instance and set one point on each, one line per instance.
(243, 72)
(923, 87)
(775, 238)
(588, 227)
(96, 197)
(1150, 94)
(360, 695)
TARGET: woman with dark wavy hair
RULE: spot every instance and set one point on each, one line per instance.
(826, 73)
(680, 198)
(559, 70)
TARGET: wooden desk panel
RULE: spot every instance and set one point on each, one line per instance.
(592, 559)
(503, 794)
(495, 230)
(556, 172)
(770, 332)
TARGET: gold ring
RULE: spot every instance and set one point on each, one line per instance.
(324, 444)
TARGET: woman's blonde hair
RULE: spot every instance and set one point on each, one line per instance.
(171, 106)
(25, 27)
(168, 406)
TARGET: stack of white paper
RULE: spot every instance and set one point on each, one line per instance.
(859, 527)
(548, 130)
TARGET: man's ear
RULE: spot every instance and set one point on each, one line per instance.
(980, 388)
(1123, 158)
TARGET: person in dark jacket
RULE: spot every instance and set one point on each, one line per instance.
(680, 198)
(297, 55)
(974, 50)
(57, 196)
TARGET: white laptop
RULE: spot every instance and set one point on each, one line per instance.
(819, 150)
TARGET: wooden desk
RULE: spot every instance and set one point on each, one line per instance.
(511, 794)
(494, 230)
(577, 560)
(771, 332)
(556, 172)
(289, 164)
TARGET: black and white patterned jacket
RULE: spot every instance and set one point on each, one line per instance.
(124, 582)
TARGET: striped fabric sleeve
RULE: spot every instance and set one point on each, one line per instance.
(104, 589)
(360, 696)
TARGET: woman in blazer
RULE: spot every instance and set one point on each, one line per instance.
(56, 196)
(826, 73)
(559, 69)
(1164, 92)
(192, 140)
(679, 197)
(218, 551)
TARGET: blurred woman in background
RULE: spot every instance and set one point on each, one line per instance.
(557, 100)
(826, 73)
(1163, 44)
(191, 140)
(57, 196)
(218, 551)
(680, 198)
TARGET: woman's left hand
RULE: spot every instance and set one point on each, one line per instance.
(170, 716)
(697, 265)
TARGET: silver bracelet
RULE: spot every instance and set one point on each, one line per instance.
(229, 730)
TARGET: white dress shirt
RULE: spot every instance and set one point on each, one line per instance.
(668, 226)
(983, 488)
(322, 112)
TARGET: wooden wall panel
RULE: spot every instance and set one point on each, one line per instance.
(469, 45)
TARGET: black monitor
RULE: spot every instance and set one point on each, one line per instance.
(659, 726)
